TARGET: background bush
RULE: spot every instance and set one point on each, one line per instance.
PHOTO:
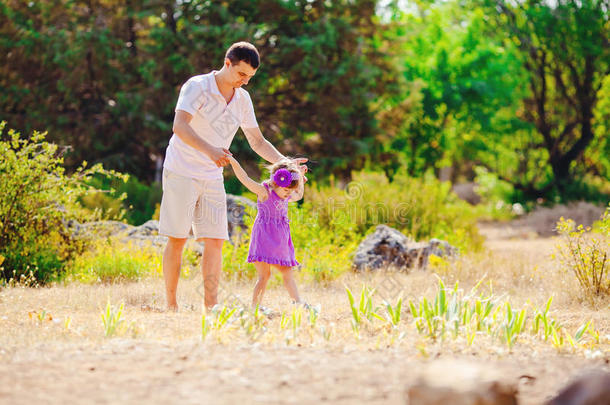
(37, 203)
(421, 208)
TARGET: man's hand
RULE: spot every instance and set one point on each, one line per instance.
(220, 156)
(302, 168)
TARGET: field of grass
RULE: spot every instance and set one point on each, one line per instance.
(113, 340)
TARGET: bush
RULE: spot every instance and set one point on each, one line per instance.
(421, 208)
(109, 261)
(586, 254)
(37, 203)
(131, 200)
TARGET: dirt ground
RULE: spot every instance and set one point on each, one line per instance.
(130, 372)
(168, 363)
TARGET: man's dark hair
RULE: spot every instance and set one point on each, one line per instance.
(243, 51)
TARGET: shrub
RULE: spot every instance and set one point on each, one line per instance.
(421, 208)
(109, 261)
(585, 254)
(37, 202)
(131, 200)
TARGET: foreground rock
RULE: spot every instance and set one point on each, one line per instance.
(389, 248)
(462, 383)
(592, 388)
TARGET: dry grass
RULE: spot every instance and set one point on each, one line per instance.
(521, 272)
(53, 346)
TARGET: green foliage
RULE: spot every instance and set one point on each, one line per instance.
(453, 314)
(37, 204)
(104, 75)
(563, 48)
(586, 255)
(459, 85)
(131, 200)
(112, 320)
(421, 208)
(109, 261)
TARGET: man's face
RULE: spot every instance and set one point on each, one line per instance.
(240, 74)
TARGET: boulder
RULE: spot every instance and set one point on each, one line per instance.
(236, 209)
(462, 383)
(98, 229)
(148, 233)
(387, 247)
(591, 388)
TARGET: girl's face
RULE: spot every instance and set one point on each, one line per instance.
(282, 192)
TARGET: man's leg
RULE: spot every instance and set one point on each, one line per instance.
(211, 267)
(172, 259)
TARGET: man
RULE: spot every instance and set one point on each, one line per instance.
(209, 111)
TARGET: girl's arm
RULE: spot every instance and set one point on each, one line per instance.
(250, 184)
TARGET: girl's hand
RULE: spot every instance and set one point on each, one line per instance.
(219, 156)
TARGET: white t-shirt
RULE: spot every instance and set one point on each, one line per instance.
(213, 120)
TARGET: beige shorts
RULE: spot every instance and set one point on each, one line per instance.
(191, 203)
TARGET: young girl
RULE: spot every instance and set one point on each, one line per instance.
(270, 242)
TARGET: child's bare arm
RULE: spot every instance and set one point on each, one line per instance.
(250, 184)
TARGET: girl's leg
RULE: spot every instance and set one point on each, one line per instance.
(264, 272)
(289, 282)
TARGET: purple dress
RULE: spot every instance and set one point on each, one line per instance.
(270, 241)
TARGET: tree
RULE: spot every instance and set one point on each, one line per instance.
(103, 75)
(458, 86)
(565, 50)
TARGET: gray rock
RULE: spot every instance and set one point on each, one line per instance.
(98, 229)
(387, 247)
(236, 209)
(148, 233)
(592, 388)
(467, 192)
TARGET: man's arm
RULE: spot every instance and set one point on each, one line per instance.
(267, 151)
(261, 146)
(187, 135)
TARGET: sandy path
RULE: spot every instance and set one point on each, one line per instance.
(123, 371)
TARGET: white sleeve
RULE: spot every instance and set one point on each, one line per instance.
(190, 98)
(248, 117)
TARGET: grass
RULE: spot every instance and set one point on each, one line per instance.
(499, 304)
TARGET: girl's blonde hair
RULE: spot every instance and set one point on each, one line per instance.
(288, 164)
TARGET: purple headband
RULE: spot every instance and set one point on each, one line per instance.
(284, 177)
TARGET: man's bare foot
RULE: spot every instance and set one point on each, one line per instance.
(172, 308)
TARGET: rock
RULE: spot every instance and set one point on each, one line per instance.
(236, 208)
(148, 233)
(591, 388)
(467, 192)
(387, 247)
(98, 229)
(462, 383)
(543, 220)
(149, 228)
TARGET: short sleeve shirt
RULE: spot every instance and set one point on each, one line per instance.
(213, 120)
